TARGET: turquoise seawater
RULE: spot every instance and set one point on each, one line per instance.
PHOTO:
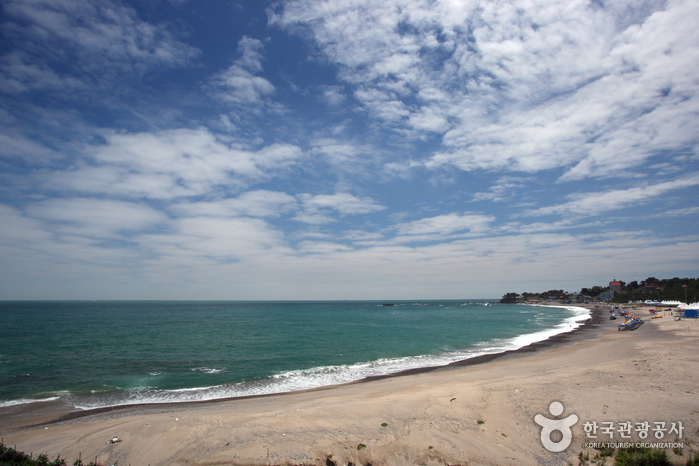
(94, 354)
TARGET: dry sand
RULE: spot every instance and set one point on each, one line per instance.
(430, 418)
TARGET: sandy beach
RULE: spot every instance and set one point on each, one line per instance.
(476, 414)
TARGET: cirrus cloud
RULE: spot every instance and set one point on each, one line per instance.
(592, 89)
(102, 41)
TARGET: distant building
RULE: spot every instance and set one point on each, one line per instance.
(616, 287)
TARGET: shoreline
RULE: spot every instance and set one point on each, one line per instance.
(56, 416)
(471, 414)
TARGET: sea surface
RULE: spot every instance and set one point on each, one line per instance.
(87, 355)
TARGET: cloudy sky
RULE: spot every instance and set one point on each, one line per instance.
(345, 149)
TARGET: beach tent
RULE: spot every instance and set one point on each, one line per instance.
(672, 303)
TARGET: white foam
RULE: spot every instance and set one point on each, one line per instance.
(568, 325)
(26, 401)
(207, 370)
(323, 376)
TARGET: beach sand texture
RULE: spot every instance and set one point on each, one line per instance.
(427, 418)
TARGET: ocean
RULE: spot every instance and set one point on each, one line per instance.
(86, 355)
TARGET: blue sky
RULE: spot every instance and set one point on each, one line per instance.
(348, 149)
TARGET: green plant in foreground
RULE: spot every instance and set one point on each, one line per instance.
(480, 422)
(633, 456)
(583, 457)
(384, 424)
(605, 450)
(11, 457)
(361, 446)
(693, 461)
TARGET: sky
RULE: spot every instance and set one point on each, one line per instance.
(345, 149)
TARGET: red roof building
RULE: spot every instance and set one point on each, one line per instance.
(616, 287)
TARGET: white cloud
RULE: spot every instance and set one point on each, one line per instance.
(101, 38)
(333, 95)
(428, 120)
(360, 235)
(317, 210)
(403, 169)
(39, 262)
(321, 247)
(519, 86)
(343, 203)
(501, 190)
(19, 74)
(100, 29)
(95, 219)
(170, 164)
(336, 152)
(76, 236)
(593, 203)
(239, 84)
(259, 203)
(212, 240)
(20, 231)
(313, 217)
(345, 157)
(383, 105)
(588, 89)
(211, 257)
(446, 224)
(545, 227)
(13, 145)
(307, 208)
(685, 212)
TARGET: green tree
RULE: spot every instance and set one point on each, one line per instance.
(509, 298)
